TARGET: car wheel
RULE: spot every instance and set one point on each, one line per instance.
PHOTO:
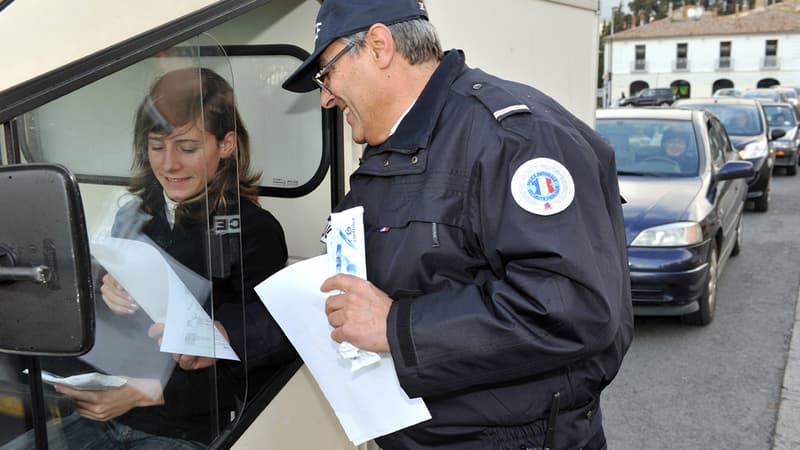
(737, 246)
(762, 203)
(708, 301)
(791, 170)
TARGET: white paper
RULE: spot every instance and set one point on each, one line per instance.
(94, 381)
(150, 280)
(369, 402)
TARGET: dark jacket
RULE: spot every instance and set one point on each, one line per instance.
(188, 395)
(496, 308)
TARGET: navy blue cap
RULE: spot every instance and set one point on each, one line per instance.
(337, 18)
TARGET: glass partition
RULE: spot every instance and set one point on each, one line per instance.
(170, 196)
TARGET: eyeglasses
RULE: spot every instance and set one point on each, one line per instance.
(323, 72)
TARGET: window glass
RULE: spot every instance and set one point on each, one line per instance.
(651, 147)
(779, 116)
(178, 242)
(739, 120)
(717, 143)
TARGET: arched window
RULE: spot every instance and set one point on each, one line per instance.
(767, 83)
(722, 83)
(681, 88)
(637, 86)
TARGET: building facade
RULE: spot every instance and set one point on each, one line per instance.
(697, 52)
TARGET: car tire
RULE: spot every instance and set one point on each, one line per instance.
(737, 244)
(761, 204)
(707, 301)
(792, 169)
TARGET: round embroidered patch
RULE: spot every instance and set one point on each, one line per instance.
(543, 186)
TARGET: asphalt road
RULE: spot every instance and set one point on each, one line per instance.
(717, 387)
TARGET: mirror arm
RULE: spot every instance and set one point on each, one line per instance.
(37, 274)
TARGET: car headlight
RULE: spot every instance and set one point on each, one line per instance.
(756, 149)
(783, 145)
(678, 234)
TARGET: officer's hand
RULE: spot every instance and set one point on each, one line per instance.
(357, 314)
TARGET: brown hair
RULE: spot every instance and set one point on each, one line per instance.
(181, 97)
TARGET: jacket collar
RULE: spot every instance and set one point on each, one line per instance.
(415, 130)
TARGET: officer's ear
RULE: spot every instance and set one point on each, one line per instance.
(379, 44)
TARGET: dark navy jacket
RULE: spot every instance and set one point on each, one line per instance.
(496, 308)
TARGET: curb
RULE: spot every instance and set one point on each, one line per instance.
(787, 429)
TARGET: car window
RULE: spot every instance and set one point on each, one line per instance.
(718, 143)
(739, 120)
(780, 116)
(648, 147)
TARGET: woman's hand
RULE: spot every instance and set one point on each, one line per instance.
(116, 297)
(104, 405)
(187, 362)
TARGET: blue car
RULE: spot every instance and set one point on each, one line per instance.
(685, 190)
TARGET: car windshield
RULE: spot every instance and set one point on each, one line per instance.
(779, 116)
(652, 147)
(769, 95)
(739, 120)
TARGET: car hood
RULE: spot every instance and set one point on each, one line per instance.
(655, 201)
(739, 142)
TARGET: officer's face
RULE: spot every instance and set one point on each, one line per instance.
(350, 86)
(187, 159)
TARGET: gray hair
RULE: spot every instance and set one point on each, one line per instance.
(416, 40)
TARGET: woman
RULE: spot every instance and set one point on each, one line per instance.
(188, 139)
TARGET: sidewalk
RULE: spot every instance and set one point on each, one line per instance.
(787, 430)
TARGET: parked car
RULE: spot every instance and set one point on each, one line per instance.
(650, 97)
(783, 116)
(683, 213)
(727, 92)
(746, 125)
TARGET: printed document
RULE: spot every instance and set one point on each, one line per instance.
(368, 402)
(147, 276)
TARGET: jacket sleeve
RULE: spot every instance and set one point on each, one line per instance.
(553, 289)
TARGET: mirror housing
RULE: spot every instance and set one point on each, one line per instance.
(735, 169)
(777, 133)
(46, 291)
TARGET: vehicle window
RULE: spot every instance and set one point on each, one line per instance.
(780, 116)
(170, 192)
(739, 120)
(769, 95)
(650, 147)
(718, 143)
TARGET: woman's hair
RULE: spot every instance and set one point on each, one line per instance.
(416, 40)
(182, 97)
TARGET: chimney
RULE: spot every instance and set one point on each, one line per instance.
(715, 11)
(633, 21)
(669, 10)
(745, 5)
(641, 20)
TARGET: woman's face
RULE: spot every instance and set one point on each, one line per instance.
(185, 161)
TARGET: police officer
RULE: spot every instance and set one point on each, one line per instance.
(495, 246)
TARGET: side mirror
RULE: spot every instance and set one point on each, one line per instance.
(735, 169)
(776, 134)
(45, 270)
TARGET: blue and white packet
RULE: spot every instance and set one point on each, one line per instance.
(344, 239)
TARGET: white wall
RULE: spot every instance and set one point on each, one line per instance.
(747, 53)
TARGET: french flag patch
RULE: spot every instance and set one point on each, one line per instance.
(383, 230)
